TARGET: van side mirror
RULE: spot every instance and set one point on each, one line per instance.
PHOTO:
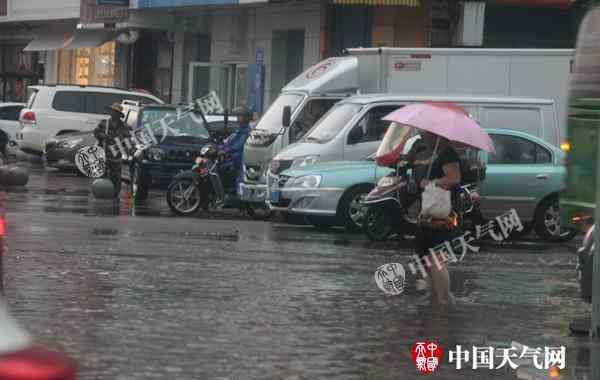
(355, 136)
(286, 118)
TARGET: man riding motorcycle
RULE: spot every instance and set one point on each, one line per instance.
(233, 146)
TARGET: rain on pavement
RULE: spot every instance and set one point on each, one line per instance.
(135, 293)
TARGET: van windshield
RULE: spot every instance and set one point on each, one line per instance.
(333, 122)
(271, 120)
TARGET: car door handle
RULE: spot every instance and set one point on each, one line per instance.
(542, 176)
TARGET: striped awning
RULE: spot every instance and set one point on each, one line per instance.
(406, 3)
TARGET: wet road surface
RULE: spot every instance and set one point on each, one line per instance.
(135, 293)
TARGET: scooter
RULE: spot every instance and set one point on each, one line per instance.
(386, 207)
(211, 185)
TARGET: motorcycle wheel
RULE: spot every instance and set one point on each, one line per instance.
(259, 211)
(183, 197)
(377, 223)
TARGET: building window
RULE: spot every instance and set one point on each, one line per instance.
(3, 7)
(88, 66)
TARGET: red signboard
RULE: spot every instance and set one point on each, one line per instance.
(92, 13)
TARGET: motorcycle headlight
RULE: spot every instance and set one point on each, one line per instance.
(70, 144)
(385, 182)
(156, 154)
(304, 161)
(307, 181)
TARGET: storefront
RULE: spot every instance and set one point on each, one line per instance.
(533, 24)
(18, 70)
(374, 23)
(87, 66)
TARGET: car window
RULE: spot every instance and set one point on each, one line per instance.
(97, 102)
(217, 128)
(12, 113)
(371, 125)
(69, 101)
(310, 114)
(516, 150)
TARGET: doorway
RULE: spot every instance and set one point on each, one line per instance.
(228, 80)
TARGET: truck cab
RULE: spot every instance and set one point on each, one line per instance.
(578, 199)
(299, 106)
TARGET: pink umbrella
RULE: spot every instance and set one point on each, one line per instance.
(446, 120)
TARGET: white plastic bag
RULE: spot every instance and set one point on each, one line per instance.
(436, 202)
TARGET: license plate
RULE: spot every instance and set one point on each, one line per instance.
(275, 195)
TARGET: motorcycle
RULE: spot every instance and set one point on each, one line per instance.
(386, 207)
(211, 183)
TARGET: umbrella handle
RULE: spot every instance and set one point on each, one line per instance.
(437, 143)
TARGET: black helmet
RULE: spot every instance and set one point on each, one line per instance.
(242, 111)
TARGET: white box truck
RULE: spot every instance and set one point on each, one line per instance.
(531, 73)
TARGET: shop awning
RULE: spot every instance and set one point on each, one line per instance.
(406, 3)
(50, 40)
(84, 39)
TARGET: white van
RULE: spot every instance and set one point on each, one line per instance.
(56, 109)
(353, 128)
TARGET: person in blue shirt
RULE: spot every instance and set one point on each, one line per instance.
(234, 144)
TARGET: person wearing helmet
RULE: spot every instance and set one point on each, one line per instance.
(234, 144)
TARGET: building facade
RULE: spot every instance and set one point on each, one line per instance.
(245, 50)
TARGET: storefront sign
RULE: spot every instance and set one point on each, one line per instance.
(97, 11)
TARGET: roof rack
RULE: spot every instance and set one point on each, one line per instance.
(88, 85)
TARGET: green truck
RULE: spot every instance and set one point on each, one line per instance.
(578, 199)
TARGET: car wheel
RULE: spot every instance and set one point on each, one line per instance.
(377, 223)
(350, 210)
(139, 187)
(320, 222)
(547, 222)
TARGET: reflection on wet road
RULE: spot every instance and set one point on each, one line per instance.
(160, 297)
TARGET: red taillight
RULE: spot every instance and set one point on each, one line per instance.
(2, 227)
(37, 363)
(28, 117)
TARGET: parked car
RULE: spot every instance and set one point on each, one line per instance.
(59, 151)
(585, 265)
(176, 149)
(525, 174)
(58, 109)
(9, 124)
(21, 358)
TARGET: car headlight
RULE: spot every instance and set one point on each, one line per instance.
(70, 144)
(304, 161)
(155, 154)
(307, 181)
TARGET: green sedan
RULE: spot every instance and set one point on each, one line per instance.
(526, 174)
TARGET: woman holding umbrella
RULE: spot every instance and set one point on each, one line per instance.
(440, 124)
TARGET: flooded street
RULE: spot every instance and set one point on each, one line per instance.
(132, 292)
